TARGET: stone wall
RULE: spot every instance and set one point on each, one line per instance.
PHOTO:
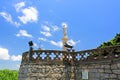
(41, 72)
(99, 70)
(62, 65)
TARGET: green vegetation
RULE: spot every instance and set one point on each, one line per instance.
(95, 54)
(113, 42)
(8, 74)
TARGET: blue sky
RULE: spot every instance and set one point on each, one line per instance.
(89, 23)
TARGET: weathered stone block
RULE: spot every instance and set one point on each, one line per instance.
(116, 71)
(113, 76)
(90, 67)
(101, 70)
(91, 74)
(93, 70)
(114, 66)
(118, 76)
(108, 71)
(113, 79)
(105, 66)
(118, 65)
(97, 66)
(104, 76)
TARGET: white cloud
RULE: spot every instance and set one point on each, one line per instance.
(19, 6)
(16, 58)
(55, 43)
(47, 34)
(46, 31)
(55, 28)
(73, 43)
(24, 33)
(8, 18)
(17, 24)
(30, 14)
(4, 54)
(46, 28)
(58, 44)
(42, 39)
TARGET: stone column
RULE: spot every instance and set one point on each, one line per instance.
(65, 38)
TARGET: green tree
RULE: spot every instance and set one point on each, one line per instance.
(114, 41)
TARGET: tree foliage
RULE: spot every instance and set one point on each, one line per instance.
(8, 74)
(113, 42)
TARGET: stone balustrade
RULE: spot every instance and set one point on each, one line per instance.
(57, 55)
